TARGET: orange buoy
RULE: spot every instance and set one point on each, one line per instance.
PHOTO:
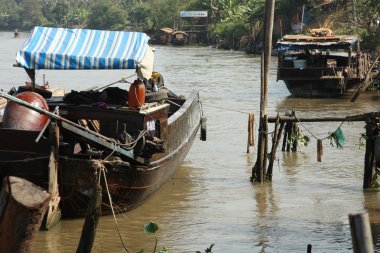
(136, 96)
(19, 117)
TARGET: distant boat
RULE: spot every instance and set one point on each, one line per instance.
(321, 64)
(179, 38)
(162, 36)
(16, 33)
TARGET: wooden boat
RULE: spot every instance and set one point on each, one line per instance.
(321, 64)
(179, 38)
(163, 36)
(131, 150)
(16, 34)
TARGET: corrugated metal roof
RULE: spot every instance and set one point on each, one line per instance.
(296, 42)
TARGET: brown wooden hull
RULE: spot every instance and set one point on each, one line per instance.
(327, 88)
(129, 184)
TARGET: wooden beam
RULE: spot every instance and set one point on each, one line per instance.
(358, 117)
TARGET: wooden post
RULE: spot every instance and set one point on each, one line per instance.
(22, 209)
(295, 132)
(265, 153)
(91, 222)
(361, 233)
(285, 139)
(369, 166)
(53, 215)
(289, 140)
(309, 247)
(251, 138)
(258, 169)
(275, 141)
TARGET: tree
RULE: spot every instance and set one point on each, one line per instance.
(103, 15)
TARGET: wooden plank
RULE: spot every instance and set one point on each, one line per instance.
(22, 208)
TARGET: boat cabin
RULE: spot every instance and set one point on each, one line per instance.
(333, 61)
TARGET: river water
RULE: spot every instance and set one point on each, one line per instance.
(210, 199)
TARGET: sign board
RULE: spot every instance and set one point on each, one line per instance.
(193, 14)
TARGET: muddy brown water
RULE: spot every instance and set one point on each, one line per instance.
(210, 198)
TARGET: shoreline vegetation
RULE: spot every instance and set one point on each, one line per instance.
(230, 24)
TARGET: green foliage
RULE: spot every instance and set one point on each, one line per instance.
(150, 228)
(208, 250)
(229, 33)
(103, 15)
(352, 17)
(224, 16)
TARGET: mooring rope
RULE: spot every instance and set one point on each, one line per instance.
(226, 109)
(102, 169)
(313, 135)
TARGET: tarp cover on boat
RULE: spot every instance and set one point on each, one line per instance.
(61, 48)
(299, 42)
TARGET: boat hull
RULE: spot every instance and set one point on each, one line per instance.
(320, 88)
(129, 184)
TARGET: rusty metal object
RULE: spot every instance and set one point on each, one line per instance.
(19, 117)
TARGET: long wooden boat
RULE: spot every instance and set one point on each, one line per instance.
(162, 36)
(321, 64)
(132, 151)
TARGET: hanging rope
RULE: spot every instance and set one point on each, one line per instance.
(103, 172)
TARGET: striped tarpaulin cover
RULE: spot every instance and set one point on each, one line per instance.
(61, 48)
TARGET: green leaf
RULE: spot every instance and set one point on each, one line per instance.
(209, 250)
(164, 250)
(141, 251)
(150, 228)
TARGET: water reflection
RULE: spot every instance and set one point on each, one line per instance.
(210, 199)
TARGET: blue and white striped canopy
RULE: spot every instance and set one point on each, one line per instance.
(60, 48)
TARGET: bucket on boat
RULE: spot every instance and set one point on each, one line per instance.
(136, 96)
(19, 117)
(299, 63)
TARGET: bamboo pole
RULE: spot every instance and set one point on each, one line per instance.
(357, 117)
(285, 139)
(258, 169)
(251, 138)
(265, 154)
(361, 233)
(275, 140)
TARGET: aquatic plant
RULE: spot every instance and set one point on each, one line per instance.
(152, 228)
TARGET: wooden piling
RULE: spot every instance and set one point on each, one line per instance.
(251, 138)
(372, 131)
(295, 133)
(285, 139)
(319, 150)
(258, 171)
(309, 247)
(372, 120)
(22, 209)
(275, 142)
(361, 233)
(265, 153)
(91, 222)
